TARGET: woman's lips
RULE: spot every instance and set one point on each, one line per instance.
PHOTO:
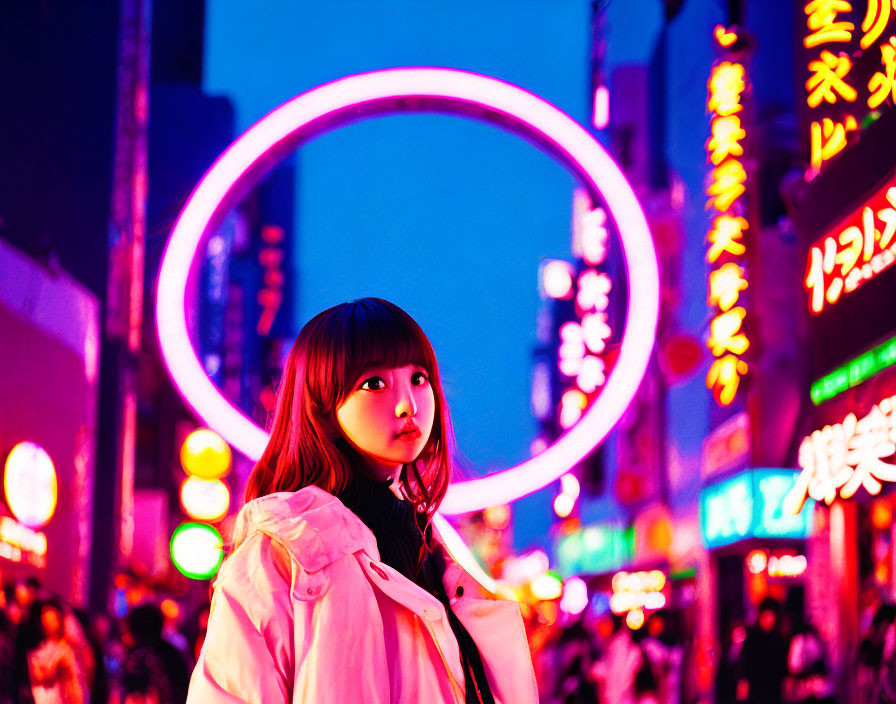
(409, 434)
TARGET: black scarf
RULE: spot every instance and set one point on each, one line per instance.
(397, 527)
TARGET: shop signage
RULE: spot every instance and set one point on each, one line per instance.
(749, 505)
(29, 484)
(583, 341)
(637, 590)
(858, 250)
(18, 543)
(854, 372)
(727, 252)
(851, 52)
(270, 257)
(841, 458)
(728, 446)
(595, 549)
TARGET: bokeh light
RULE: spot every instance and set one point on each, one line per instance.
(205, 500)
(204, 454)
(197, 550)
(29, 484)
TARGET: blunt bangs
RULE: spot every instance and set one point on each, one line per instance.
(372, 333)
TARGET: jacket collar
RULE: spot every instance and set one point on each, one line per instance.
(319, 529)
(316, 526)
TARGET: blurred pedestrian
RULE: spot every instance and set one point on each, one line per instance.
(808, 678)
(664, 652)
(870, 658)
(728, 672)
(616, 670)
(764, 657)
(575, 655)
(25, 611)
(56, 675)
(154, 672)
(7, 659)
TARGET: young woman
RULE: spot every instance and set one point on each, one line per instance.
(338, 588)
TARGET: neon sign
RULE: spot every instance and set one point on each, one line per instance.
(29, 484)
(18, 542)
(861, 250)
(749, 505)
(830, 84)
(841, 458)
(445, 91)
(595, 548)
(854, 372)
(271, 259)
(727, 252)
(584, 340)
(637, 590)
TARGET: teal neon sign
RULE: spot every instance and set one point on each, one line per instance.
(750, 505)
(854, 372)
(594, 549)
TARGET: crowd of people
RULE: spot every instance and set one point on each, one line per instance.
(603, 661)
(54, 653)
(777, 658)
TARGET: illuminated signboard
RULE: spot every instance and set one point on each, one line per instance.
(727, 252)
(854, 372)
(863, 246)
(838, 34)
(583, 341)
(751, 505)
(637, 590)
(19, 543)
(29, 484)
(596, 548)
(271, 259)
(840, 458)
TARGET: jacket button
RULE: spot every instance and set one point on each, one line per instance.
(379, 571)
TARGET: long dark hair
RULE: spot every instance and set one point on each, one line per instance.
(330, 353)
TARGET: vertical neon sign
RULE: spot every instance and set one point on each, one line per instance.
(583, 341)
(727, 250)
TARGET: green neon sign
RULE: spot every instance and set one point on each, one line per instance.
(594, 549)
(854, 372)
(751, 505)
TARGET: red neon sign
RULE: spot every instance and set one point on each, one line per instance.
(861, 248)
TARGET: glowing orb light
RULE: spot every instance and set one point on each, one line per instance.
(575, 596)
(547, 586)
(204, 454)
(497, 517)
(197, 550)
(635, 619)
(29, 484)
(204, 499)
(563, 505)
(557, 279)
(419, 89)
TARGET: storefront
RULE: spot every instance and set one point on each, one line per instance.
(756, 549)
(49, 334)
(846, 442)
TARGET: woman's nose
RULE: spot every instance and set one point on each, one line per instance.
(406, 405)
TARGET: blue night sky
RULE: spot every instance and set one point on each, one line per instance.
(447, 217)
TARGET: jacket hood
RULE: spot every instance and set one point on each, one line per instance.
(316, 526)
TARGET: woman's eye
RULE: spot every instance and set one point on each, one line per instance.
(419, 379)
(374, 383)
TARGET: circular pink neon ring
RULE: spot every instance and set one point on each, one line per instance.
(421, 89)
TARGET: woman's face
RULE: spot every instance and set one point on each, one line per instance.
(384, 403)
